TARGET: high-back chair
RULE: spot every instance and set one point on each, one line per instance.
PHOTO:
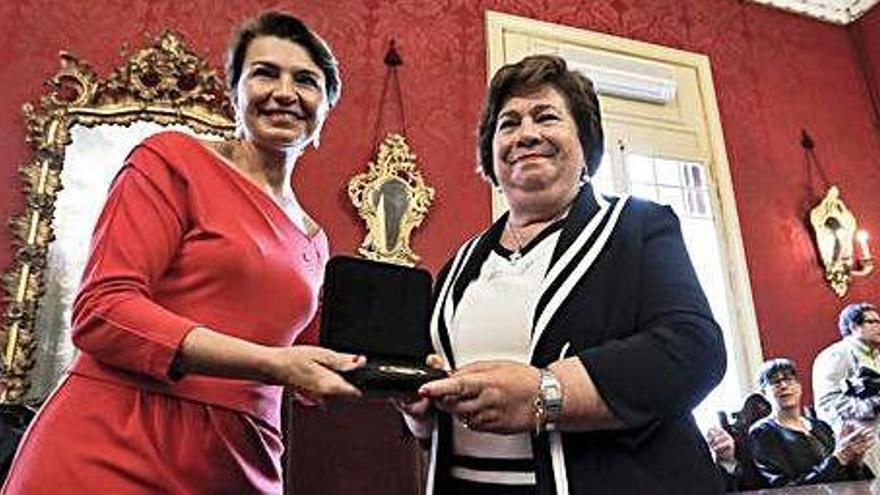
(755, 407)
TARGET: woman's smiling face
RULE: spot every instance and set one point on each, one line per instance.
(784, 391)
(281, 100)
(536, 146)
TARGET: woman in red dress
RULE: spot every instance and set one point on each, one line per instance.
(203, 271)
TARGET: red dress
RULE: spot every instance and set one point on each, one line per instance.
(184, 240)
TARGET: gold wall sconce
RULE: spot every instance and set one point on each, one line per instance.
(391, 196)
(835, 229)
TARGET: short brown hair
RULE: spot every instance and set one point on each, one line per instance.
(287, 27)
(532, 72)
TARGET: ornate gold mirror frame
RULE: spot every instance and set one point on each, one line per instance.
(393, 199)
(166, 84)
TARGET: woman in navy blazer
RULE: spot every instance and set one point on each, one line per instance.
(578, 336)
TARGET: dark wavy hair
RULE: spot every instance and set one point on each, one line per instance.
(530, 73)
(774, 367)
(853, 314)
(287, 27)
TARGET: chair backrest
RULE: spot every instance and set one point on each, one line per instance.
(755, 407)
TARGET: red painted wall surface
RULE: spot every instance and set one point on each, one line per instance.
(868, 28)
(775, 73)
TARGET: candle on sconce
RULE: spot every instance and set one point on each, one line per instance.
(862, 238)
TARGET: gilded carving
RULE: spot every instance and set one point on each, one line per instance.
(393, 199)
(164, 83)
(835, 229)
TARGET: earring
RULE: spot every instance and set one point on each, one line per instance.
(239, 125)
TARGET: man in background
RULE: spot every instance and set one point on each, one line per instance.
(846, 375)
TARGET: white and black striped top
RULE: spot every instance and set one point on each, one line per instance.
(493, 321)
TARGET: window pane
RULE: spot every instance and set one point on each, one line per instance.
(602, 185)
(645, 191)
(682, 185)
(698, 204)
(671, 196)
(701, 239)
(603, 180)
(669, 173)
(604, 171)
(694, 176)
(640, 169)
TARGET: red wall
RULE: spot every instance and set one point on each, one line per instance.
(775, 73)
(868, 28)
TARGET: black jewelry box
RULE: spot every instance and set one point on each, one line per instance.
(381, 311)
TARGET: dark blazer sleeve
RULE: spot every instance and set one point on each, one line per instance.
(773, 459)
(675, 355)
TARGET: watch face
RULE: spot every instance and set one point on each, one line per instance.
(551, 394)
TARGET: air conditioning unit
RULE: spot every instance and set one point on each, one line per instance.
(624, 77)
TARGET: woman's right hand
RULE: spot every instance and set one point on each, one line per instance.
(419, 412)
(854, 442)
(420, 407)
(314, 371)
(721, 444)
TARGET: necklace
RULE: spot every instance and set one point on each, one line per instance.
(517, 253)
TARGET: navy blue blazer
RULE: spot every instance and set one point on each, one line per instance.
(622, 295)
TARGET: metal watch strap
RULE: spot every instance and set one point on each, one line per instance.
(550, 398)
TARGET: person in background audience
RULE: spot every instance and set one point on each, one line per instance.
(738, 474)
(846, 375)
(728, 444)
(724, 449)
(792, 449)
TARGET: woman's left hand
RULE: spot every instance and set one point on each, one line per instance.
(490, 396)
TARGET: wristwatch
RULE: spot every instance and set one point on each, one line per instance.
(548, 405)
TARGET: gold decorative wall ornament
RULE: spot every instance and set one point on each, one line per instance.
(393, 199)
(835, 229)
(166, 84)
